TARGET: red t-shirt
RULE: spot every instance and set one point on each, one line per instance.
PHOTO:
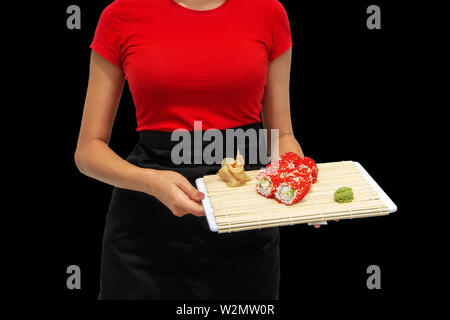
(184, 65)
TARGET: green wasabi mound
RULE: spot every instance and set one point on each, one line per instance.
(343, 194)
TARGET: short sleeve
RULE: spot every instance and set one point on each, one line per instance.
(106, 41)
(281, 33)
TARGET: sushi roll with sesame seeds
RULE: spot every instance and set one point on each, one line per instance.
(267, 181)
(311, 164)
(290, 177)
(289, 161)
(293, 189)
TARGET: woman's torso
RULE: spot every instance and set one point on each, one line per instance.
(184, 65)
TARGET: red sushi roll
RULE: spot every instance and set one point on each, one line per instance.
(289, 161)
(266, 184)
(294, 173)
(310, 163)
(268, 180)
(293, 189)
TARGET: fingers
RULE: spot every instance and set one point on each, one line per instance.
(194, 208)
(184, 205)
(317, 226)
(187, 206)
(189, 190)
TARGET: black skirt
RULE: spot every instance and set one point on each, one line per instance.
(148, 253)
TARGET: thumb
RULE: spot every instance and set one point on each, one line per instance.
(190, 191)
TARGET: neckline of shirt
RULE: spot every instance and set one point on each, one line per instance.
(189, 10)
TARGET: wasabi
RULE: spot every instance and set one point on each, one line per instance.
(343, 194)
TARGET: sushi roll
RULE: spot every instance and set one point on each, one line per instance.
(267, 181)
(288, 165)
(311, 164)
(301, 170)
(293, 189)
(289, 161)
(288, 179)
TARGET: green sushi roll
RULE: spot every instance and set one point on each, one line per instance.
(343, 194)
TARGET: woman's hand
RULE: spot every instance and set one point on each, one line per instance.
(176, 193)
(317, 226)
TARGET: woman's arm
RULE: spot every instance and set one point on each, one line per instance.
(276, 112)
(95, 159)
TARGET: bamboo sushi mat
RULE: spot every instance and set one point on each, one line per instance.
(242, 208)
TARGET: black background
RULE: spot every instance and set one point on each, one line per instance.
(351, 90)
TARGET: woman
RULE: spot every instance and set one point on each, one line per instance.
(221, 62)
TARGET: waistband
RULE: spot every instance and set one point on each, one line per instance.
(248, 139)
